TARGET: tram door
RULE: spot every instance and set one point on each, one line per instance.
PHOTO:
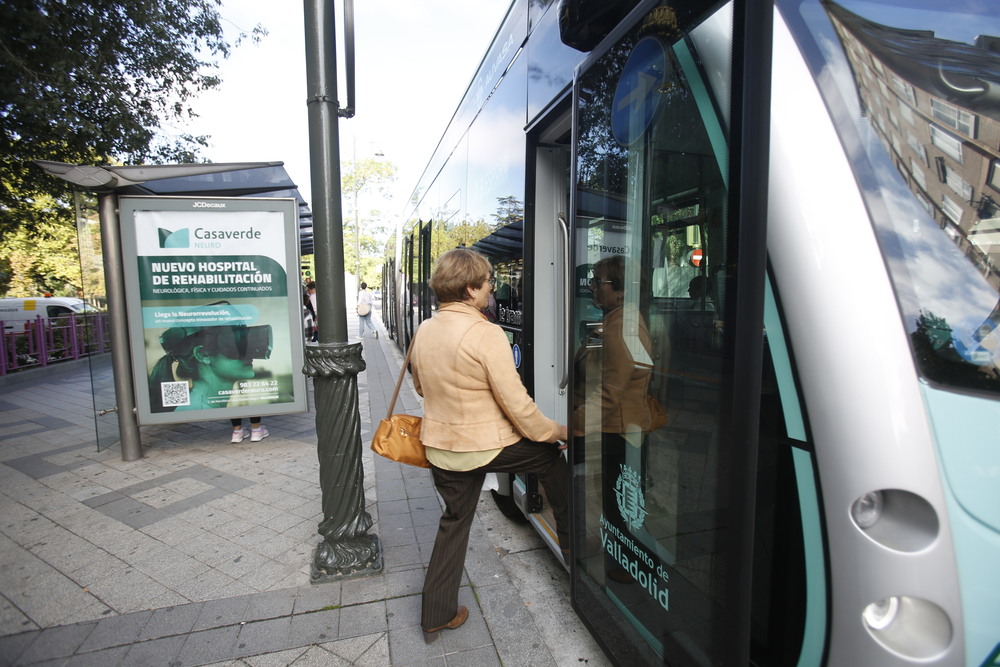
(654, 250)
(547, 321)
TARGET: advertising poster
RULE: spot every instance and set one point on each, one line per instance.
(213, 296)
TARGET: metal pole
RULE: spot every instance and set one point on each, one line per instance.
(128, 426)
(357, 238)
(333, 363)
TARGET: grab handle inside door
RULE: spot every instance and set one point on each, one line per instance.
(563, 228)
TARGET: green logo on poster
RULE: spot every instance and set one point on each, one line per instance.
(179, 239)
(631, 501)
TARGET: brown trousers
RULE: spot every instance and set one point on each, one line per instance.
(460, 491)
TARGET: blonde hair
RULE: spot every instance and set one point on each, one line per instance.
(457, 269)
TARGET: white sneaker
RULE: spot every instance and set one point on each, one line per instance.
(239, 435)
(258, 434)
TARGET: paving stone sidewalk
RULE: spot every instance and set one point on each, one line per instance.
(200, 552)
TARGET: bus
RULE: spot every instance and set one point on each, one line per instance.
(748, 250)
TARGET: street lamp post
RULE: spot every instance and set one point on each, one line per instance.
(333, 363)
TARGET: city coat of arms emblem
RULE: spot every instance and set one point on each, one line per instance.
(631, 501)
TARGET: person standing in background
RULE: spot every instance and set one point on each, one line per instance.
(310, 304)
(257, 431)
(365, 312)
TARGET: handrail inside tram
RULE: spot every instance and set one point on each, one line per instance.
(564, 271)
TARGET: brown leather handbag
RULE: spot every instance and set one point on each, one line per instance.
(398, 436)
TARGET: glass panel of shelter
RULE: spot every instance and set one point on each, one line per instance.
(99, 361)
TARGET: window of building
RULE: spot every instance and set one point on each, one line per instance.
(951, 208)
(917, 147)
(950, 145)
(955, 118)
(957, 184)
(925, 203)
(994, 179)
(905, 111)
(917, 172)
(885, 90)
(895, 144)
(877, 64)
(904, 89)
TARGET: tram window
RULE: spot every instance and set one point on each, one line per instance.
(679, 256)
(936, 221)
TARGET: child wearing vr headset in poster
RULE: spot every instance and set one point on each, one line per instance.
(211, 366)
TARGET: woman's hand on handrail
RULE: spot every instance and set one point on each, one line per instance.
(562, 435)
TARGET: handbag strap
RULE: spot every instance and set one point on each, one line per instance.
(402, 374)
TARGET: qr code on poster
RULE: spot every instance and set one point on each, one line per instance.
(175, 394)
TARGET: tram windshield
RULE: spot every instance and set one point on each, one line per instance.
(915, 88)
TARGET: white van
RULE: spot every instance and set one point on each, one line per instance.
(14, 313)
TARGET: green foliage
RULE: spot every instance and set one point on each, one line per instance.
(509, 210)
(365, 236)
(602, 164)
(372, 241)
(446, 236)
(93, 81)
(371, 175)
(43, 257)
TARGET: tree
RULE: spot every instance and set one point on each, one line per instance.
(510, 209)
(99, 81)
(370, 175)
(43, 258)
(446, 236)
(372, 239)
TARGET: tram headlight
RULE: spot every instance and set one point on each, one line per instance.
(867, 510)
(879, 615)
(909, 626)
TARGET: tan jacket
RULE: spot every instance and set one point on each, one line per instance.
(616, 371)
(473, 397)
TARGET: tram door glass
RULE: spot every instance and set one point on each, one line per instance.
(650, 241)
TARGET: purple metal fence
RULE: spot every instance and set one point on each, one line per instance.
(47, 341)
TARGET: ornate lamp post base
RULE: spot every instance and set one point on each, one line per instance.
(347, 549)
(346, 559)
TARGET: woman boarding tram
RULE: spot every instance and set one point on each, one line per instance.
(824, 488)
(477, 419)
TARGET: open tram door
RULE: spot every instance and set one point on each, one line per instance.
(547, 283)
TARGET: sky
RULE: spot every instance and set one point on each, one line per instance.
(414, 61)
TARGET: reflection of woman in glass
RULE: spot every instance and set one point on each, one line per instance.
(615, 359)
(615, 366)
(211, 359)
